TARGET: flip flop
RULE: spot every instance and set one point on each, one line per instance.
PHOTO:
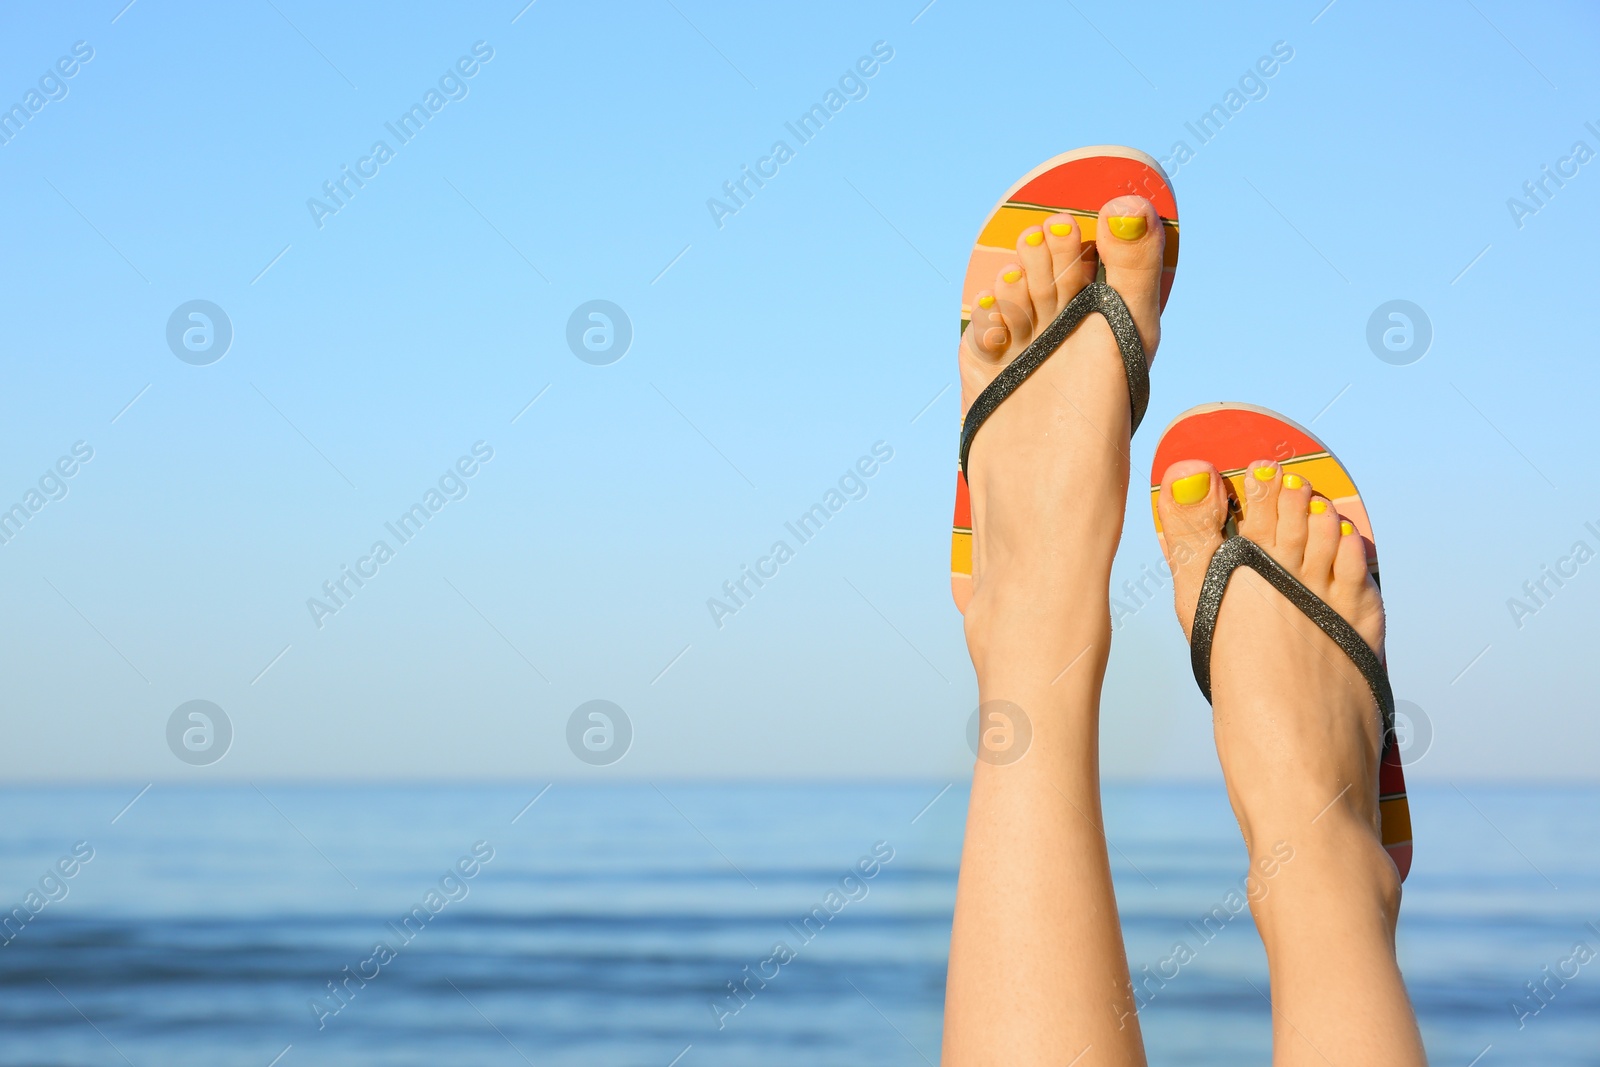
(1079, 182)
(1230, 437)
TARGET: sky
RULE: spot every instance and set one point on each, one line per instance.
(423, 331)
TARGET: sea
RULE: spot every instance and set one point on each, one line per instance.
(691, 924)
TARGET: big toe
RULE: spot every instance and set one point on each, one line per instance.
(1192, 507)
(1131, 243)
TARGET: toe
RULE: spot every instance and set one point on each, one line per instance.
(1193, 506)
(1035, 259)
(1130, 241)
(1262, 481)
(1352, 591)
(986, 333)
(1072, 263)
(1015, 306)
(1294, 508)
(1350, 558)
(1322, 539)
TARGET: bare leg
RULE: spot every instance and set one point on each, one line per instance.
(1298, 734)
(1038, 973)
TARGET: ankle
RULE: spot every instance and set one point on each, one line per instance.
(1330, 877)
(1033, 634)
(1043, 585)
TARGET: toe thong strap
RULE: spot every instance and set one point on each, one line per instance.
(1096, 297)
(1238, 552)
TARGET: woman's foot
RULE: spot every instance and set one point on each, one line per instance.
(1296, 723)
(1048, 472)
(1038, 973)
(1299, 737)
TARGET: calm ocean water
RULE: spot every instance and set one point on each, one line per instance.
(601, 924)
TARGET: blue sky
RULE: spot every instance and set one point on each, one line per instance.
(769, 354)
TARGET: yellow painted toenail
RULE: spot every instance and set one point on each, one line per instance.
(1347, 528)
(1011, 275)
(986, 302)
(1035, 239)
(1193, 489)
(1061, 229)
(1293, 481)
(1318, 507)
(1127, 227)
(1265, 474)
